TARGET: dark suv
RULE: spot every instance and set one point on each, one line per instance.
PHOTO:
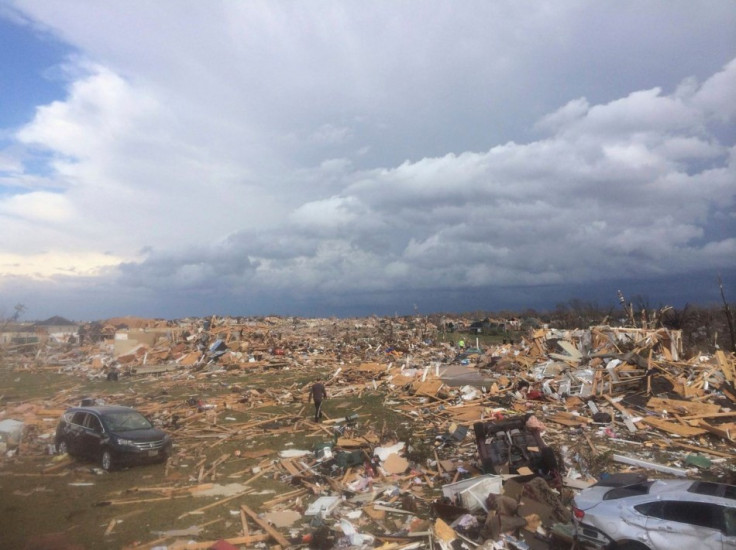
(113, 435)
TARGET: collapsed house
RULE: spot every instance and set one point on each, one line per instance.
(490, 446)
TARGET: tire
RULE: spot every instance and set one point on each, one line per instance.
(106, 460)
(488, 467)
(549, 460)
(631, 545)
(62, 447)
(480, 430)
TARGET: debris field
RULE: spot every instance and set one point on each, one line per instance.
(397, 460)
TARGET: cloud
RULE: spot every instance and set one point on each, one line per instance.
(38, 207)
(99, 109)
(10, 164)
(546, 211)
(44, 266)
(269, 151)
(715, 96)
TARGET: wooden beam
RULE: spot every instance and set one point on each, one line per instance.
(624, 413)
(671, 427)
(724, 434)
(223, 501)
(188, 545)
(244, 522)
(703, 450)
(278, 537)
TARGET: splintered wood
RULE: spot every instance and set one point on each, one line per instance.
(604, 398)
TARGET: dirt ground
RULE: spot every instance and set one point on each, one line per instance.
(75, 507)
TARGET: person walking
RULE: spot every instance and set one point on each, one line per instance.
(318, 394)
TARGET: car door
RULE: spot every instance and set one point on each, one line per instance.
(74, 433)
(686, 525)
(729, 529)
(91, 437)
(634, 517)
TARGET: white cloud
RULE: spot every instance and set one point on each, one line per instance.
(565, 116)
(100, 109)
(38, 207)
(278, 147)
(715, 96)
(46, 265)
(331, 214)
(9, 163)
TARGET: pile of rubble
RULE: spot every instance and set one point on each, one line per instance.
(493, 444)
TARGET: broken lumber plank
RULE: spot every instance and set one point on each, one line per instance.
(625, 414)
(59, 465)
(681, 406)
(244, 522)
(278, 537)
(286, 496)
(222, 501)
(720, 432)
(708, 416)
(288, 465)
(443, 531)
(679, 472)
(568, 419)
(120, 502)
(705, 450)
(727, 366)
(249, 469)
(671, 427)
(111, 526)
(590, 444)
(189, 545)
(392, 510)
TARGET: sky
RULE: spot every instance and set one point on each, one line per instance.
(185, 158)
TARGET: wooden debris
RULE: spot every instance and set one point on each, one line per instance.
(278, 537)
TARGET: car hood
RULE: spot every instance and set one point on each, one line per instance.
(151, 434)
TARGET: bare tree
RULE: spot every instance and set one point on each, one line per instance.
(729, 316)
(18, 311)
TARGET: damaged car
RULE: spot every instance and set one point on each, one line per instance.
(513, 445)
(113, 435)
(657, 515)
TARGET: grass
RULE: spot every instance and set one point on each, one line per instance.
(72, 504)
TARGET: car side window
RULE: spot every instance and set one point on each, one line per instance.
(652, 509)
(93, 423)
(78, 418)
(695, 513)
(705, 488)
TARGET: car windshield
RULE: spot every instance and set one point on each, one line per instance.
(126, 421)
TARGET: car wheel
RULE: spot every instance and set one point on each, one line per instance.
(487, 466)
(62, 447)
(480, 430)
(631, 545)
(549, 460)
(107, 461)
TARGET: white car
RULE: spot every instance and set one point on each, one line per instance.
(657, 515)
